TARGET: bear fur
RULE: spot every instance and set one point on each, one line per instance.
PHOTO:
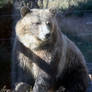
(44, 59)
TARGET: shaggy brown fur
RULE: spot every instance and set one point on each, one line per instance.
(44, 58)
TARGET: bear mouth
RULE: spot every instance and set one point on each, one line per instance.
(44, 43)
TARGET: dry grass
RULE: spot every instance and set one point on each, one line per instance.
(62, 3)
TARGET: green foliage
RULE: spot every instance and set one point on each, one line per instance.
(85, 6)
(76, 7)
(3, 2)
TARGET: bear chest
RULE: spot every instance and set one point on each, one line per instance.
(41, 58)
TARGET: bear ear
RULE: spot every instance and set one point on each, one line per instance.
(24, 11)
(53, 11)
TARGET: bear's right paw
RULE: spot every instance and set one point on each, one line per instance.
(22, 87)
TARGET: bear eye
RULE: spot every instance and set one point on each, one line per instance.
(48, 23)
(38, 23)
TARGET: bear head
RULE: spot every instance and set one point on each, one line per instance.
(37, 27)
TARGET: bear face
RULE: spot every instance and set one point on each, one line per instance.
(34, 29)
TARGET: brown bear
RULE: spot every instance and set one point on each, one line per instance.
(44, 59)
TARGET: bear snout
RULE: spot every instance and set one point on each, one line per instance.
(47, 36)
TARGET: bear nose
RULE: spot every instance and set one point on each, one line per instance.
(47, 36)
